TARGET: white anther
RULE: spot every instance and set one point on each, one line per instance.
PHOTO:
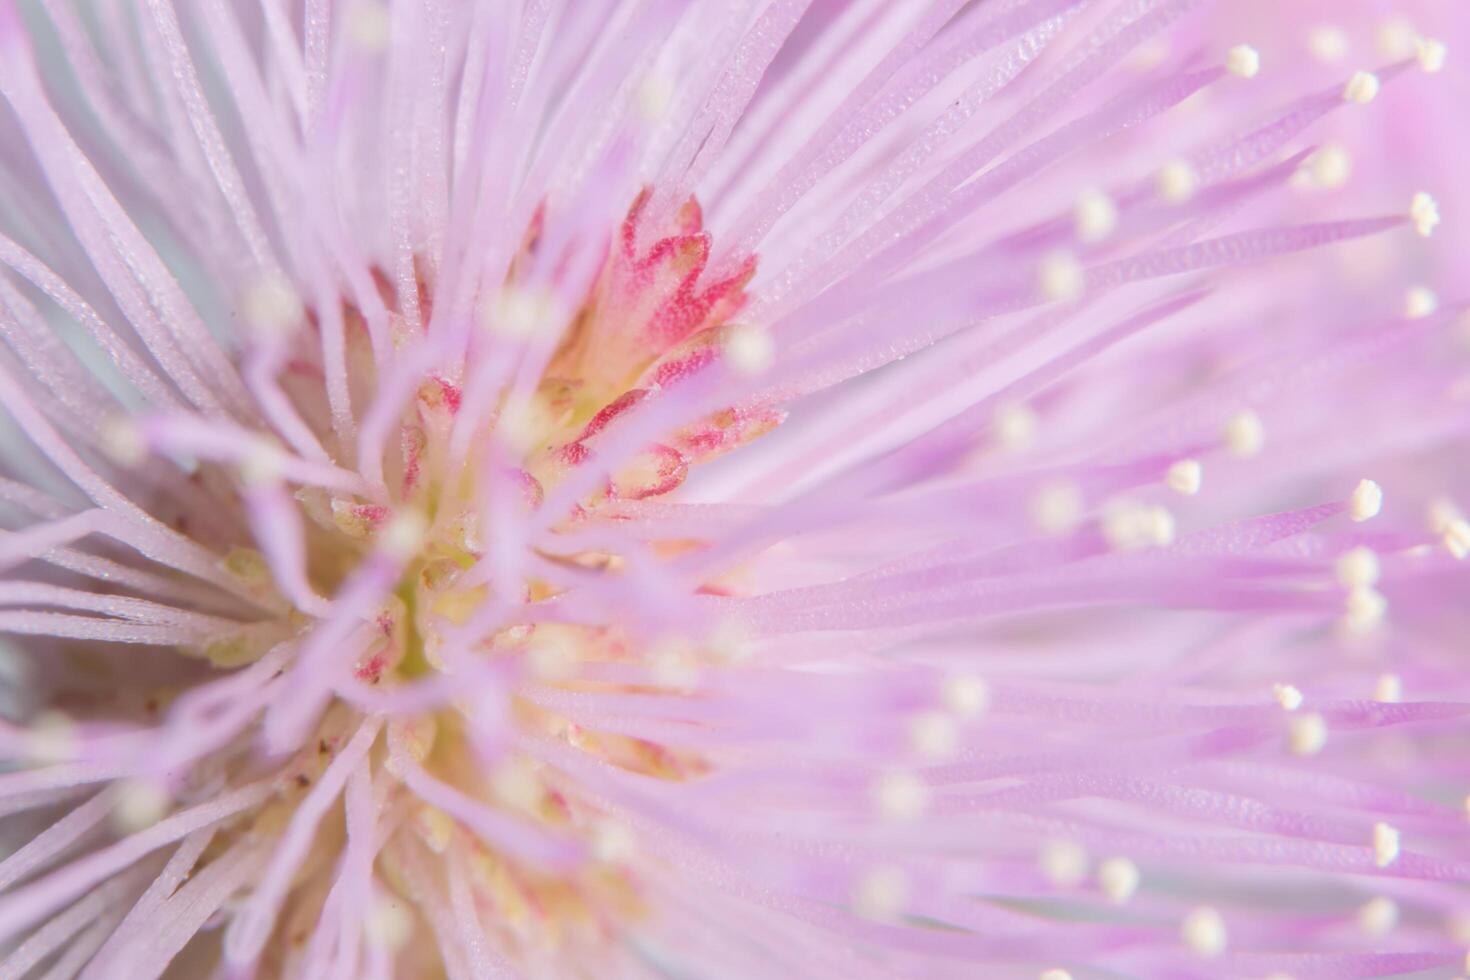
(1385, 844)
(122, 440)
(881, 893)
(1361, 88)
(388, 925)
(1419, 301)
(1204, 932)
(404, 535)
(1063, 862)
(1389, 689)
(656, 96)
(1061, 277)
(964, 695)
(1456, 537)
(1366, 501)
(900, 795)
(1424, 212)
(549, 660)
(1307, 734)
(1357, 568)
(1395, 38)
(1378, 916)
(1016, 426)
(369, 24)
(516, 785)
(271, 306)
(749, 349)
(1328, 43)
(263, 464)
(1287, 696)
(1057, 508)
(139, 804)
(1245, 436)
(1055, 973)
(519, 311)
(1177, 182)
(1331, 166)
(1431, 54)
(934, 734)
(52, 737)
(1185, 476)
(1243, 61)
(1096, 215)
(1131, 526)
(1366, 608)
(1118, 877)
(612, 840)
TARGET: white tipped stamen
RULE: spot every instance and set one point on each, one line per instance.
(1061, 277)
(1307, 734)
(934, 734)
(1366, 501)
(1118, 877)
(1389, 689)
(272, 307)
(1357, 568)
(387, 924)
(1245, 435)
(369, 25)
(1055, 973)
(1057, 508)
(1366, 608)
(1328, 43)
(1395, 38)
(965, 696)
(1016, 426)
(404, 535)
(1064, 863)
(748, 349)
(1378, 916)
(1419, 302)
(1185, 477)
(1128, 527)
(613, 841)
(1096, 216)
(1361, 88)
(901, 796)
(1177, 182)
(656, 96)
(1424, 213)
(139, 804)
(1330, 167)
(1456, 537)
(1204, 932)
(122, 440)
(1431, 54)
(1385, 844)
(1287, 696)
(519, 311)
(1243, 61)
(881, 894)
(263, 464)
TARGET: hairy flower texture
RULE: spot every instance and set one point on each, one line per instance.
(737, 488)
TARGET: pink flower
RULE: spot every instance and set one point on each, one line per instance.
(732, 489)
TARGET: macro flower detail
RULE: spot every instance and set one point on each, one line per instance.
(634, 488)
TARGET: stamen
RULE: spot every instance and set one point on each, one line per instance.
(1308, 734)
(1185, 477)
(1243, 61)
(1366, 501)
(1119, 878)
(1361, 88)
(1385, 844)
(1204, 932)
